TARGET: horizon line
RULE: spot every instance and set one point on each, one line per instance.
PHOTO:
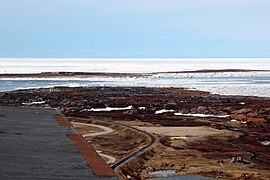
(136, 57)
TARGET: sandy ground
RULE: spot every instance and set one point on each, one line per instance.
(181, 131)
(136, 123)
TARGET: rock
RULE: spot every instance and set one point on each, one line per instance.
(239, 159)
(132, 111)
(201, 108)
(253, 115)
(239, 117)
(222, 113)
(261, 120)
(242, 111)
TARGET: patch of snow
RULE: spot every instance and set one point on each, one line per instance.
(265, 143)
(242, 103)
(201, 115)
(164, 111)
(34, 103)
(233, 120)
(141, 108)
(129, 177)
(163, 172)
(109, 109)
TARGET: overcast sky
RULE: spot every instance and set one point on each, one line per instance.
(134, 28)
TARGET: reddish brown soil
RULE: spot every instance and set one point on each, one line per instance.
(95, 162)
(61, 120)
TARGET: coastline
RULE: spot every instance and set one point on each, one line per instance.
(225, 82)
(112, 74)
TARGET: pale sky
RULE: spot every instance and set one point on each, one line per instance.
(134, 28)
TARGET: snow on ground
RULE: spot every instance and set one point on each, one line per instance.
(164, 111)
(265, 143)
(202, 115)
(109, 109)
(34, 103)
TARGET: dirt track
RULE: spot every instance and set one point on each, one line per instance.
(106, 130)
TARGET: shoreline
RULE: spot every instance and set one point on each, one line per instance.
(232, 82)
(112, 74)
(190, 91)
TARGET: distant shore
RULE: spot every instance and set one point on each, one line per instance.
(107, 74)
